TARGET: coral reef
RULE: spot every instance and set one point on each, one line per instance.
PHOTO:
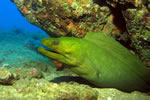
(24, 86)
(27, 73)
(42, 89)
(6, 77)
(137, 23)
(61, 17)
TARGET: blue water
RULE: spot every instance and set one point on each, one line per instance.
(19, 39)
(10, 17)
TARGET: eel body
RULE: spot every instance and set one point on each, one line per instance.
(100, 60)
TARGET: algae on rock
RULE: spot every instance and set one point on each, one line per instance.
(42, 89)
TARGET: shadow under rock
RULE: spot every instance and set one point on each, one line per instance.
(72, 79)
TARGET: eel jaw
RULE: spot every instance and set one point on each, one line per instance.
(53, 54)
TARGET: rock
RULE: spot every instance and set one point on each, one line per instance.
(28, 73)
(114, 94)
(6, 77)
(135, 3)
(137, 23)
(64, 18)
(42, 89)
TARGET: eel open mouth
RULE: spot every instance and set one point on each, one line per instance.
(51, 50)
(51, 53)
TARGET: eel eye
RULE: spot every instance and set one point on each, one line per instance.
(55, 42)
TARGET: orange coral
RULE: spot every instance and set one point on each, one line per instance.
(70, 1)
(25, 10)
(70, 26)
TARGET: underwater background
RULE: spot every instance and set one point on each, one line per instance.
(10, 17)
(19, 38)
(26, 74)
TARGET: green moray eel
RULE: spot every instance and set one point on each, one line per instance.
(100, 60)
